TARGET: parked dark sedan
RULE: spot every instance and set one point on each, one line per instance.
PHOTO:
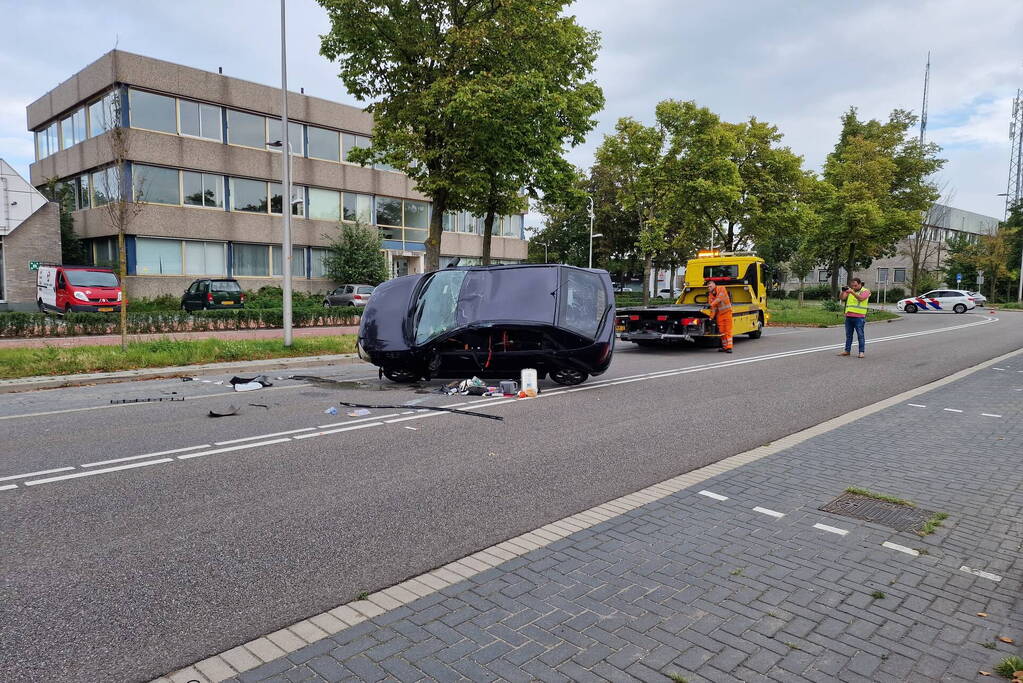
(349, 295)
(211, 294)
(491, 322)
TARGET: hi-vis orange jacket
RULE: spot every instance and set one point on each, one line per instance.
(718, 302)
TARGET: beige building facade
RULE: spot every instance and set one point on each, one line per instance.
(29, 235)
(199, 165)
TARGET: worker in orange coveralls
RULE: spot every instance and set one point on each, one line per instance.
(721, 308)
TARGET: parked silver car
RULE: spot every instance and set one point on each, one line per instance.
(349, 295)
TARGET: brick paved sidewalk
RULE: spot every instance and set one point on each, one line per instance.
(720, 588)
(114, 339)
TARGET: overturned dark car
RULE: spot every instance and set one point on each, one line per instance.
(491, 322)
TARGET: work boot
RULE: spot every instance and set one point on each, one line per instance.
(728, 350)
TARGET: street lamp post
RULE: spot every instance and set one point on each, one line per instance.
(286, 164)
(591, 231)
(544, 250)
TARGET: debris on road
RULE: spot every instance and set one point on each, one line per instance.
(357, 413)
(146, 400)
(230, 410)
(260, 405)
(250, 386)
(331, 411)
(188, 379)
(262, 380)
(437, 408)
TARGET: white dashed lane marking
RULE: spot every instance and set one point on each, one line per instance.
(916, 405)
(989, 415)
(215, 451)
(7, 487)
(831, 529)
(900, 548)
(770, 513)
(90, 473)
(36, 474)
(147, 455)
(982, 574)
(715, 496)
(952, 410)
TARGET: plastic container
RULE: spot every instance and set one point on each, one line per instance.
(528, 381)
(509, 387)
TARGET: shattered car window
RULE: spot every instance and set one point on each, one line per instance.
(583, 302)
(437, 305)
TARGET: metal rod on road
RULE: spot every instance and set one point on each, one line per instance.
(286, 190)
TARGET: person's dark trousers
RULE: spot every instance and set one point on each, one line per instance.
(854, 324)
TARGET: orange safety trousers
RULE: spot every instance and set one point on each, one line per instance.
(724, 321)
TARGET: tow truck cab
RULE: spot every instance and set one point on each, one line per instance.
(689, 319)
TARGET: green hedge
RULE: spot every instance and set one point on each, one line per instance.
(76, 324)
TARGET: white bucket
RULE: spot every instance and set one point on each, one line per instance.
(528, 380)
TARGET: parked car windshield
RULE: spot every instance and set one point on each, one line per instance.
(91, 278)
(225, 286)
(435, 309)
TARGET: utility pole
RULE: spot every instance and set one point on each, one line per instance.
(591, 231)
(923, 109)
(286, 165)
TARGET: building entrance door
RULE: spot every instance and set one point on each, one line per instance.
(405, 265)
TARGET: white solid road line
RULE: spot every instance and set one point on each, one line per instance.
(770, 513)
(334, 431)
(231, 448)
(980, 573)
(147, 455)
(263, 436)
(715, 496)
(989, 415)
(90, 473)
(900, 548)
(952, 410)
(916, 405)
(36, 474)
(8, 487)
(831, 529)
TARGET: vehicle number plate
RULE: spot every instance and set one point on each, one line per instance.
(226, 303)
(106, 310)
(619, 328)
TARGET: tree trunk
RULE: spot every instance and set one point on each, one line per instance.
(833, 265)
(122, 272)
(647, 265)
(730, 237)
(801, 291)
(440, 205)
(488, 235)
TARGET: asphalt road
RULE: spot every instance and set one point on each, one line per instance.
(126, 574)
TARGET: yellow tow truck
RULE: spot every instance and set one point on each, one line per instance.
(688, 319)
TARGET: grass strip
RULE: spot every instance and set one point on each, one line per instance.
(880, 496)
(812, 314)
(160, 353)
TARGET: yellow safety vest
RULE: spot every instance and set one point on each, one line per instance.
(854, 305)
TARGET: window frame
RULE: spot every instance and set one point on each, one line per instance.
(266, 191)
(177, 120)
(228, 141)
(199, 105)
(309, 146)
(134, 187)
(895, 276)
(202, 188)
(267, 256)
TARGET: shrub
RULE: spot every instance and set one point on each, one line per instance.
(831, 305)
(896, 293)
(164, 302)
(816, 292)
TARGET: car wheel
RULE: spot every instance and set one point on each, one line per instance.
(910, 308)
(959, 308)
(569, 376)
(326, 304)
(39, 303)
(401, 375)
(757, 333)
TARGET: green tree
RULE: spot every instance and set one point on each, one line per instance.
(355, 255)
(801, 264)
(961, 259)
(72, 251)
(421, 61)
(566, 227)
(993, 256)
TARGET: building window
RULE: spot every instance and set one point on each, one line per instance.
(822, 276)
(318, 262)
(350, 142)
(103, 114)
(205, 258)
(83, 198)
(388, 211)
(245, 129)
(152, 112)
(67, 133)
(417, 214)
(248, 195)
(277, 196)
(155, 185)
(41, 151)
(203, 189)
(324, 205)
(295, 136)
(53, 138)
(899, 274)
(157, 257)
(882, 275)
(105, 186)
(297, 261)
(201, 120)
(104, 252)
(251, 260)
(323, 143)
(358, 207)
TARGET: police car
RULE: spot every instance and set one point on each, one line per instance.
(954, 300)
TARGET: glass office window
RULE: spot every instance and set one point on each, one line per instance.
(323, 143)
(104, 251)
(105, 186)
(67, 133)
(248, 195)
(155, 184)
(53, 137)
(78, 119)
(152, 112)
(41, 151)
(157, 257)
(417, 214)
(251, 260)
(297, 261)
(246, 129)
(297, 199)
(104, 114)
(388, 211)
(83, 192)
(203, 189)
(205, 258)
(449, 222)
(295, 136)
(350, 142)
(518, 229)
(358, 207)
(324, 205)
(201, 120)
(317, 262)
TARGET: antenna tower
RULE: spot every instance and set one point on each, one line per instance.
(1014, 190)
(923, 109)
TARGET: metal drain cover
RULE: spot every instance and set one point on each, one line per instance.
(899, 517)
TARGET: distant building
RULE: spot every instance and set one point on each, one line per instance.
(200, 161)
(29, 233)
(943, 223)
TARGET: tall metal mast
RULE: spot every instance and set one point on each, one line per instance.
(923, 109)
(1014, 190)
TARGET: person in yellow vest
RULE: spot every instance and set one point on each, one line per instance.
(855, 298)
(720, 306)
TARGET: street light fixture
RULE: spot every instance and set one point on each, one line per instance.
(286, 190)
(545, 244)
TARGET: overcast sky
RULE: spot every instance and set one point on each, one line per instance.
(795, 63)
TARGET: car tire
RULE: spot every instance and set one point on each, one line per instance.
(569, 376)
(39, 303)
(959, 308)
(326, 304)
(401, 375)
(759, 332)
(910, 308)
